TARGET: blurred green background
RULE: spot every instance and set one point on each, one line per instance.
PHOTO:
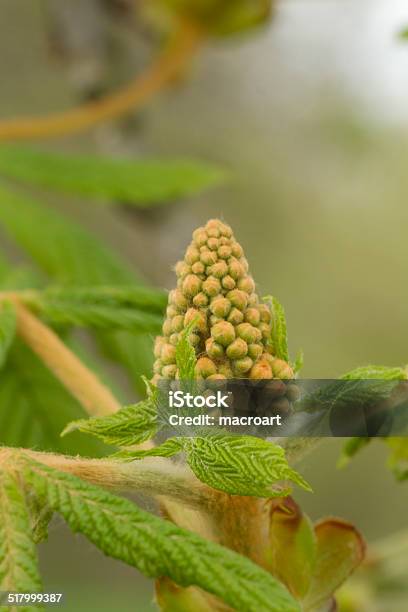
(310, 118)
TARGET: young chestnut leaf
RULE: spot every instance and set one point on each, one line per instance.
(376, 372)
(279, 338)
(139, 182)
(7, 329)
(155, 546)
(136, 309)
(129, 426)
(19, 570)
(238, 465)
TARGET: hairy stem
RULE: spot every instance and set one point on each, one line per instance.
(161, 478)
(132, 97)
(83, 384)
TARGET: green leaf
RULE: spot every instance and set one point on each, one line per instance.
(155, 546)
(185, 354)
(137, 309)
(75, 257)
(238, 465)
(292, 551)
(40, 406)
(18, 558)
(376, 372)
(7, 329)
(351, 447)
(339, 551)
(138, 182)
(298, 363)
(398, 457)
(129, 426)
(279, 338)
(172, 598)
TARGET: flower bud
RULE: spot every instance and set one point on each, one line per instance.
(228, 282)
(264, 313)
(157, 366)
(252, 316)
(281, 369)
(158, 346)
(220, 307)
(261, 370)
(265, 330)
(214, 320)
(177, 299)
(219, 269)
(200, 300)
(216, 377)
(192, 255)
(171, 312)
(166, 327)
(194, 339)
(235, 269)
(242, 366)
(238, 298)
(208, 258)
(177, 323)
(248, 332)
(200, 319)
(200, 237)
(253, 300)
(198, 267)
(213, 231)
(212, 244)
(237, 349)
(255, 351)
(237, 250)
(205, 367)
(169, 371)
(191, 285)
(174, 338)
(182, 269)
(225, 370)
(246, 284)
(212, 286)
(223, 333)
(224, 252)
(168, 354)
(236, 316)
(214, 350)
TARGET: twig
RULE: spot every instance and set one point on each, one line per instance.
(132, 97)
(159, 478)
(83, 384)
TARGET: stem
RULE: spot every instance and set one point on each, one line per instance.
(132, 97)
(92, 394)
(161, 478)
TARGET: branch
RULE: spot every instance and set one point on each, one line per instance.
(132, 97)
(83, 384)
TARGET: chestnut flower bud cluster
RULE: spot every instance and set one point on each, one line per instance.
(232, 329)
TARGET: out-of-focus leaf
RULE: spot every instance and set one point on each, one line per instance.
(172, 598)
(351, 447)
(139, 182)
(136, 309)
(34, 407)
(339, 551)
(7, 329)
(398, 457)
(292, 548)
(72, 256)
(218, 17)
